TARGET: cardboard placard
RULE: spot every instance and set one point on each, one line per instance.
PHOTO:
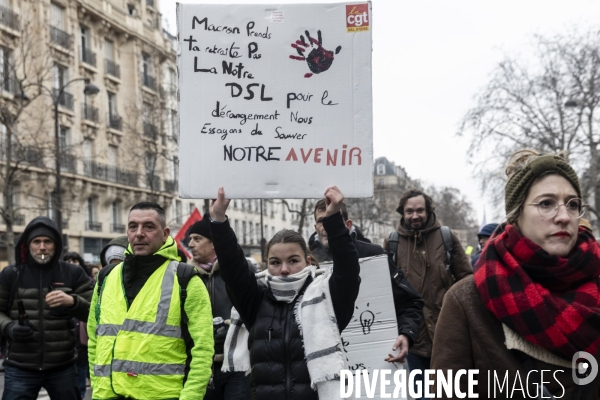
(275, 100)
(372, 331)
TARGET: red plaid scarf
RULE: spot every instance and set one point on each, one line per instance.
(551, 301)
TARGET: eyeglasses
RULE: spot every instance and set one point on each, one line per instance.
(548, 208)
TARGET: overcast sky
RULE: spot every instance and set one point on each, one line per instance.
(430, 58)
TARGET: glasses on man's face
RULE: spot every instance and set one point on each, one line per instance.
(548, 208)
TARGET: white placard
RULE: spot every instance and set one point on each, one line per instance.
(373, 329)
(275, 100)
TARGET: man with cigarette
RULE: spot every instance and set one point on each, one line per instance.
(39, 297)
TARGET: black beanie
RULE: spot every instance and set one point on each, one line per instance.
(41, 231)
(202, 227)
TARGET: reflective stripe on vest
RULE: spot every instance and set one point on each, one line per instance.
(159, 327)
(114, 367)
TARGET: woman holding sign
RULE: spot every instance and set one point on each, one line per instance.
(529, 318)
(294, 313)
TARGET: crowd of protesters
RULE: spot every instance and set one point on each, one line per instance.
(146, 324)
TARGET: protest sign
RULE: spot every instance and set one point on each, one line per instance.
(372, 331)
(275, 100)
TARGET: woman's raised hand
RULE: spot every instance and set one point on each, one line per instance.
(333, 200)
(218, 207)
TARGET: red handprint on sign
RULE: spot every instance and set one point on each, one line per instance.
(318, 59)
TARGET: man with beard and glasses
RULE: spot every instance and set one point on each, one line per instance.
(431, 266)
(39, 297)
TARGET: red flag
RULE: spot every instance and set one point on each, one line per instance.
(181, 237)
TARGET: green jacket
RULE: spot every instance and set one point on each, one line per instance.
(197, 308)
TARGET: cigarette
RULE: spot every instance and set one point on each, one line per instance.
(42, 256)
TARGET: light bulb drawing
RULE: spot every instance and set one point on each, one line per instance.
(366, 320)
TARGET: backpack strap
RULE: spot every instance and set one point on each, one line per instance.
(448, 244)
(185, 272)
(393, 246)
(102, 276)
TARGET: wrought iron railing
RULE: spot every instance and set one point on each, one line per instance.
(93, 226)
(88, 57)
(112, 68)
(118, 228)
(115, 122)
(150, 131)
(61, 38)
(68, 163)
(65, 99)
(149, 81)
(9, 18)
(90, 113)
(170, 186)
(110, 173)
(153, 182)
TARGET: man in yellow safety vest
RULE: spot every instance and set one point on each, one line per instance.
(150, 326)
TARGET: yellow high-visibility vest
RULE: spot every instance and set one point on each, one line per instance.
(140, 352)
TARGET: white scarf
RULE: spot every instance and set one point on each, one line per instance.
(286, 288)
(316, 320)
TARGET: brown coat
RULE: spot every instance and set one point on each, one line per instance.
(470, 337)
(422, 256)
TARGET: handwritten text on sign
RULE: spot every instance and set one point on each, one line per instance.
(275, 102)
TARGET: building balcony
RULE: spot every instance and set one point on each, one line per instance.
(150, 131)
(115, 122)
(93, 226)
(10, 85)
(28, 154)
(65, 99)
(9, 19)
(153, 182)
(149, 82)
(170, 186)
(68, 163)
(90, 113)
(88, 57)
(61, 38)
(110, 173)
(112, 68)
(19, 219)
(117, 228)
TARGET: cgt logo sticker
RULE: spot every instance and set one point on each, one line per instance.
(585, 368)
(357, 17)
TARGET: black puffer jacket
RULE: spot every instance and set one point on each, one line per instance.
(277, 357)
(53, 344)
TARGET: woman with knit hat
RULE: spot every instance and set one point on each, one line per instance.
(533, 303)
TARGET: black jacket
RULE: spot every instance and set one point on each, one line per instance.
(53, 344)
(407, 301)
(276, 353)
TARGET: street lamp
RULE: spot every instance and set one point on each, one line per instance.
(56, 96)
(571, 103)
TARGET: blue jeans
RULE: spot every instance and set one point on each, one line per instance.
(23, 384)
(228, 385)
(418, 362)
